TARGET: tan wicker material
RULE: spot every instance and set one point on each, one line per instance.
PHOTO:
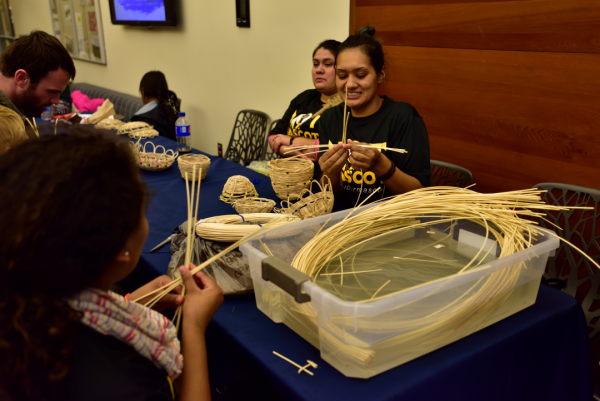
(233, 227)
(290, 176)
(138, 129)
(109, 123)
(312, 205)
(187, 163)
(254, 205)
(154, 161)
(105, 110)
(237, 187)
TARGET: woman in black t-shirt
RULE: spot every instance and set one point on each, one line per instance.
(76, 227)
(357, 171)
(299, 123)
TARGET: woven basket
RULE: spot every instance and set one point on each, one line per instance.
(187, 163)
(233, 227)
(312, 205)
(138, 129)
(254, 205)
(109, 123)
(237, 187)
(290, 176)
(154, 161)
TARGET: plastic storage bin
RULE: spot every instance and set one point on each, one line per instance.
(363, 339)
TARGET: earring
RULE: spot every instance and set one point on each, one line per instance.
(126, 253)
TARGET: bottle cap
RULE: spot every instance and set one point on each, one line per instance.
(182, 114)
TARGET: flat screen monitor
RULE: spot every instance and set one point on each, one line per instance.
(143, 12)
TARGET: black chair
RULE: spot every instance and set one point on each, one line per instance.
(248, 136)
(574, 273)
(448, 174)
(268, 153)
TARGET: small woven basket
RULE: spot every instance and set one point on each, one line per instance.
(237, 187)
(312, 205)
(290, 176)
(187, 163)
(138, 130)
(109, 123)
(154, 161)
(254, 205)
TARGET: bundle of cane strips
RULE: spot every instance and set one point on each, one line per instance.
(254, 205)
(325, 148)
(191, 222)
(313, 205)
(237, 187)
(290, 176)
(109, 124)
(233, 227)
(154, 161)
(138, 129)
(190, 161)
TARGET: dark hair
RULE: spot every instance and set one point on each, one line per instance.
(370, 46)
(329, 44)
(69, 202)
(37, 53)
(154, 85)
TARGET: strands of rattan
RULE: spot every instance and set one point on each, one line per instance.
(233, 227)
(33, 127)
(345, 121)
(290, 176)
(237, 187)
(109, 124)
(351, 272)
(380, 288)
(191, 222)
(55, 125)
(254, 205)
(187, 162)
(334, 101)
(327, 147)
(294, 363)
(267, 250)
(164, 290)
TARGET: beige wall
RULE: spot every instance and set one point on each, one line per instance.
(215, 67)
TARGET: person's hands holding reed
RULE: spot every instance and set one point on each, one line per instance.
(170, 301)
(367, 159)
(203, 297)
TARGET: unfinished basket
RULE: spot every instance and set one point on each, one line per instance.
(290, 176)
(154, 161)
(237, 187)
(254, 205)
(233, 227)
(312, 205)
(187, 163)
(109, 123)
(138, 129)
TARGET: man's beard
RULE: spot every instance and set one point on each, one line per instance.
(29, 104)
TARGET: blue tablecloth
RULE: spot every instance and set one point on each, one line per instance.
(541, 353)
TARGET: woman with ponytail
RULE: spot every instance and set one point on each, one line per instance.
(73, 223)
(356, 171)
(160, 104)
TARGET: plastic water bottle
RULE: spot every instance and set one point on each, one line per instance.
(47, 113)
(182, 131)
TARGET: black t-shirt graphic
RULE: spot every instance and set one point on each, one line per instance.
(395, 125)
(300, 111)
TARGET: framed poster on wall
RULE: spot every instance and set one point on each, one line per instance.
(78, 25)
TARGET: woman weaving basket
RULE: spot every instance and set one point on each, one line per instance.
(374, 120)
(73, 211)
(300, 123)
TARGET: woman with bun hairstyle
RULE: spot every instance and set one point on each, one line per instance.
(73, 223)
(300, 124)
(376, 120)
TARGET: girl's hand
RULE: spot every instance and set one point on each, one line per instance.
(203, 297)
(169, 301)
(278, 140)
(332, 161)
(367, 159)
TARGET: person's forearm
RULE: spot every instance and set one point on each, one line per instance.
(298, 141)
(194, 379)
(399, 182)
